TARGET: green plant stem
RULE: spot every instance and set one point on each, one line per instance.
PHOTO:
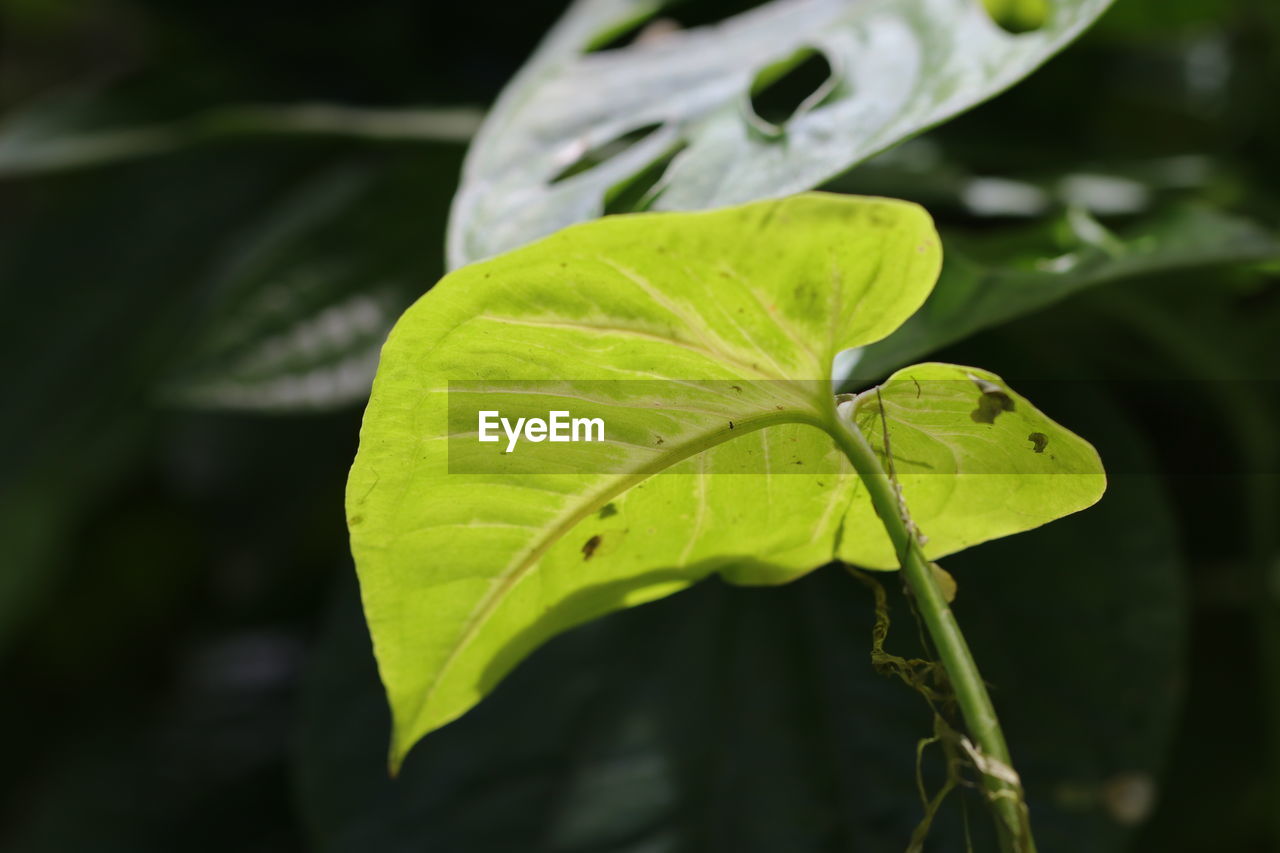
(971, 695)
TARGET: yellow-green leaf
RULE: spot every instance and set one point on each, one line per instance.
(469, 558)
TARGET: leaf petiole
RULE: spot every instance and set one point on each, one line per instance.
(988, 750)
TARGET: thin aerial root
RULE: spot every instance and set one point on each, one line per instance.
(927, 678)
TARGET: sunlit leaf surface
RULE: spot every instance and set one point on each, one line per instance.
(738, 314)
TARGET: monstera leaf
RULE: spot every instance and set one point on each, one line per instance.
(577, 128)
(704, 343)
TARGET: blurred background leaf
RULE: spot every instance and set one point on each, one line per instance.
(46, 138)
(128, 282)
(995, 278)
(620, 111)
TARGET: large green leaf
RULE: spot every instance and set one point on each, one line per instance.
(749, 717)
(736, 315)
(896, 68)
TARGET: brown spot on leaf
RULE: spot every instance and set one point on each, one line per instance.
(990, 407)
(608, 510)
(993, 402)
(589, 547)
(1039, 440)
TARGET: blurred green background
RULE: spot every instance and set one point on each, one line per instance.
(211, 212)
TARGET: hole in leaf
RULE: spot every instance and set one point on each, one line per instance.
(639, 191)
(681, 15)
(704, 12)
(1018, 16)
(637, 29)
(593, 157)
(782, 89)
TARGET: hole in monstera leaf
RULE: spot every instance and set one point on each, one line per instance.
(701, 14)
(644, 29)
(1018, 16)
(783, 89)
(639, 30)
(639, 191)
(585, 160)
